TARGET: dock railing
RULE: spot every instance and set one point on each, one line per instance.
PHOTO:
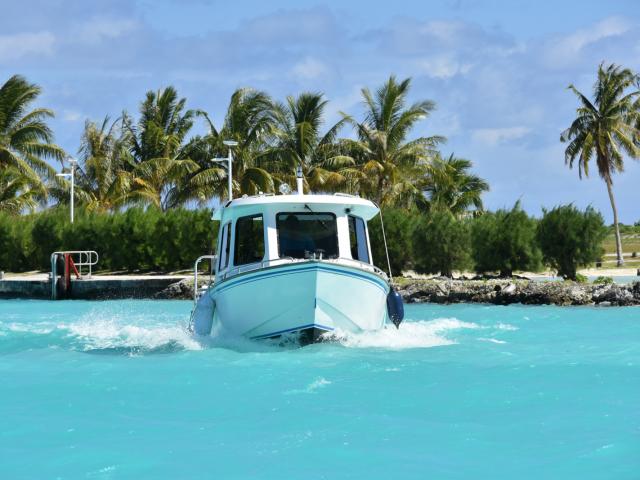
(80, 258)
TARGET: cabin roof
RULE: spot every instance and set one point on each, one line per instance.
(361, 207)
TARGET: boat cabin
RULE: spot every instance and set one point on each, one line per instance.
(269, 230)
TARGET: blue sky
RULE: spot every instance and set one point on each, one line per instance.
(498, 70)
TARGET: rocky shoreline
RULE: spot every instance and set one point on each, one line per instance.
(508, 291)
(493, 291)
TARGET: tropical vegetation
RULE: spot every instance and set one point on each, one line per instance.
(605, 129)
(26, 143)
(442, 244)
(136, 239)
(154, 159)
(434, 242)
(143, 178)
(570, 238)
(505, 241)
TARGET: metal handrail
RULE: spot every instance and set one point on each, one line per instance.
(85, 258)
(212, 258)
(283, 260)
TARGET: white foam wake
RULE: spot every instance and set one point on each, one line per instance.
(103, 334)
(421, 334)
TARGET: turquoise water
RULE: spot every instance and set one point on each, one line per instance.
(109, 390)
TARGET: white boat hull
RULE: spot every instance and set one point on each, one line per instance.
(313, 296)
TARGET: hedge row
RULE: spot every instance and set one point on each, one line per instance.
(495, 242)
(134, 240)
(150, 240)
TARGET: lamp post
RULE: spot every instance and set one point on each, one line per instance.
(73, 162)
(229, 160)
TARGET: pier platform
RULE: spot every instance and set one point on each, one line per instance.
(38, 286)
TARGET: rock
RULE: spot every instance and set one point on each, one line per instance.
(504, 292)
(615, 295)
(579, 296)
(182, 290)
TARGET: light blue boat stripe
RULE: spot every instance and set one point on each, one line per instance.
(280, 332)
(380, 284)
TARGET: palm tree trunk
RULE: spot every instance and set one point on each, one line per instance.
(615, 222)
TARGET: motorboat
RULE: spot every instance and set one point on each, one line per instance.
(295, 264)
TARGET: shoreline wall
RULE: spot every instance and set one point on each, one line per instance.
(87, 289)
(527, 292)
(494, 291)
(497, 292)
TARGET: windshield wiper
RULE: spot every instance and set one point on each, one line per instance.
(322, 222)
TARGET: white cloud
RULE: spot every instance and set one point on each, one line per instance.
(442, 67)
(71, 115)
(609, 27)
(445, 31)
(309, 68)
(97, 29)
(495, 136)
(13, 47)
(567, 49)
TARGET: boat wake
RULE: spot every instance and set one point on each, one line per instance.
(101, 332)
(97, 336)
(419, 334)
(105, 328)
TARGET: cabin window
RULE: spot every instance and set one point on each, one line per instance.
(249, 244)
(358, 239)
(225, 247)
(305, 235)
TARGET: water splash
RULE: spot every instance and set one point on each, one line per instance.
(110, 328)
(111, 335)
(491, 340)
(317, 384)
(101, 330)
(421, 334)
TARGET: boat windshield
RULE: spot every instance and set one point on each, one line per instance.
(305, 235)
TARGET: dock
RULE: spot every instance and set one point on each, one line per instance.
(96, 287)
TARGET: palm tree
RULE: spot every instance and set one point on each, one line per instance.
(390, 164)
(449, 186)
(26, 141)
(299, 142)
(157, 144)
(606, 128)
(17, 193)
(103, 178)
(249, 121)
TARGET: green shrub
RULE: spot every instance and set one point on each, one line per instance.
(136, 239)
(601, 280)
(581, 278)
(441, 244)
(46, 234)
(179, 233)
(505, 241)
(570, 238)
(398, 225)
(7, 246)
